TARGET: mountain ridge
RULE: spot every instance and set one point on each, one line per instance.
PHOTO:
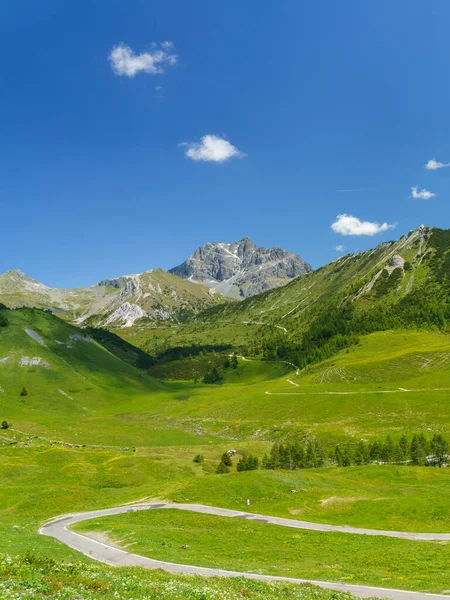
(398, 284)
(153, 295)
(241, 269)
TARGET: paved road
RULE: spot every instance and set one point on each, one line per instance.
(58, 528)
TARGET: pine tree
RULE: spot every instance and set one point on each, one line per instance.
(222, 469)
(338, 457)
(439, 447)
(404, 448)
(226, 459)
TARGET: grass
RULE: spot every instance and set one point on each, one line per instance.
(376, 497)
(235, 544)
(164, 425)
(32, 577)
(112, 400)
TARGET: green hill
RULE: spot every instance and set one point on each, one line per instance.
(396, 285)
(50, 369)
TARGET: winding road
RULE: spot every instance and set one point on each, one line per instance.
(58, 528)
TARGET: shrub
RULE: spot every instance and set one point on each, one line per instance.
(222, 469)
(199, 458)
(213, 376)
(24, 392)
(5, 425)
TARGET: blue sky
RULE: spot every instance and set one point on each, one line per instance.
(316, 96)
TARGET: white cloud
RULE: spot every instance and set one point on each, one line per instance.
(125, 62)
(422, 194)
(212, 149)
(339, 248)
(434, 164)
(349, 225)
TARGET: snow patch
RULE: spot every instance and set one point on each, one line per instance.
(35, 336)
(64, 394)
(4, 360)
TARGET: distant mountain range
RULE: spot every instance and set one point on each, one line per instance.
(241, 269)
(154, 296)
(211, 273)
(394, 284)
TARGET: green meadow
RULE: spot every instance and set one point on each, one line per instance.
(235, 544)
(94, 431)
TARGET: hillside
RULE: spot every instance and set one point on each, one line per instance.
(241, 269)
(50, 370)
(152, 296)
(398, 284)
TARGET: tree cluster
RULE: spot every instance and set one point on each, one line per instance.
(225, 464)
(417, 451)
(303, 454)
(248, 463)
(311, 453)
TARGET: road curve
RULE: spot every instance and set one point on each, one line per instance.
(58, 529)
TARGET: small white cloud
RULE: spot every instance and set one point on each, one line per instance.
(212, 149)
(421, 194)
(339, 248)
(349, 225)
(433, 165)
(125, 62)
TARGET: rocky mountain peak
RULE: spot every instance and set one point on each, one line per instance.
(241, 269)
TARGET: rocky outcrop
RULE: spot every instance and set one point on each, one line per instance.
(241, 269)
(115, 302)
(126, 315)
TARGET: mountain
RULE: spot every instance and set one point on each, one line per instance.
(152, 296)
(241, 269)
(398, 284)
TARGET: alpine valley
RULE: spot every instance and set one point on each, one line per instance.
(313, 405)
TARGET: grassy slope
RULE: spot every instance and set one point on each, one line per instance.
(274, 550)
(294, 305)
(44, 579)
(375, 497)
(112, 400)
(168, 424)
(362, 281)
(382, 361)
